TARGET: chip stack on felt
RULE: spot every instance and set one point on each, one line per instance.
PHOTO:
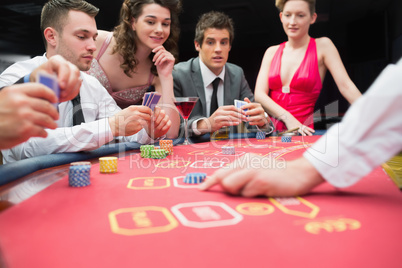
(167, 145)
(228, 150)
(146, 150)
(158, 154)
(79, 174)
(195, 178)
(108, 164)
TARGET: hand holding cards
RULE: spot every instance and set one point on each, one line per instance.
(50, 81)
(239, 104)
(151, 99)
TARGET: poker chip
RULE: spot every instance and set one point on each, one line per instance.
(260, 135)
(228, 150)
(146, 150)
(286, 139)
(194, 178)
(167, 145)
(158, 154)
(108, 164)
(79, 175)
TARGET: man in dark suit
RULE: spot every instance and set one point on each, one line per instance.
(216, 82)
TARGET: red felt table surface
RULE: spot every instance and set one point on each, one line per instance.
(145, 216)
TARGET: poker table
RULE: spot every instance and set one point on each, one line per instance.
(146, 216)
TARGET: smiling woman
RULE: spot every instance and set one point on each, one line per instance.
(139, 55)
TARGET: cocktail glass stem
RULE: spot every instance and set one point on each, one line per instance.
(186, 142)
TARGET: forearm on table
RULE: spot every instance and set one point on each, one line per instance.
(85, 137)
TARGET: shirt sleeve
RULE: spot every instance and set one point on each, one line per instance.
(369, 134)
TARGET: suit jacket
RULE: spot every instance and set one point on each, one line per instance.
(188, 83)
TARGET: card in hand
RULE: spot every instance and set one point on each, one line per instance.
(151, 99)
(239, 103)
(50, 81)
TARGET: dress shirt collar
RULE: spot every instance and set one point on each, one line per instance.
(208, 76)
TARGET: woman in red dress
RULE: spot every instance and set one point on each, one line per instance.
(291, 74)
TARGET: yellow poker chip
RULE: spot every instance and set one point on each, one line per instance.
(108, 164)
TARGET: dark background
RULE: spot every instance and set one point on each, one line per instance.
(367, 33)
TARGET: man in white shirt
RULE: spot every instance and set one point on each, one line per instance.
(369, 134)
(69, 30)
(26, 110)
(195, 78)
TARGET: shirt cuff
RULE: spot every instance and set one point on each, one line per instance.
(194, 126)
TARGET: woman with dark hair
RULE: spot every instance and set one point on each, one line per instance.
(139, 55)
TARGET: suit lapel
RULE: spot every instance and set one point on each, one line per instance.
(227, 94)
(198, 83)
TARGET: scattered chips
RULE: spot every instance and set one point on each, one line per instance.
(286, 139)
(195, 178)
(228, 150)
(108, 164)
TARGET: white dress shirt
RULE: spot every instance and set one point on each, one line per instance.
(208, 77)
(97, 105)
(369, 134)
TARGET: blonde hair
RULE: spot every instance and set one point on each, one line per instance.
(280, 4)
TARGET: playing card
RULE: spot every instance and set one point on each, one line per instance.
(151, 99)
(50, 81)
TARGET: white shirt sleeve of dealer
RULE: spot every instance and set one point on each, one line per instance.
(369, 134)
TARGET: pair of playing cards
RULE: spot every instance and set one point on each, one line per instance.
(49, 80)
(151, 99)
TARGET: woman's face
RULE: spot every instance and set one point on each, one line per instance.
(296, 18)
(153, 25)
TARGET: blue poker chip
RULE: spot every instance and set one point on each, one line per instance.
(260, 135)
(194, 178)
(286, 139)
(79, 176)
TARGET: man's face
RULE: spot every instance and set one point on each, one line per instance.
(215, 48)
(76, 43)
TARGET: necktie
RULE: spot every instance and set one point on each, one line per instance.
(214, 99)
(78, 116)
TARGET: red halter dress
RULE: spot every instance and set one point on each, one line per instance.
(301, 95)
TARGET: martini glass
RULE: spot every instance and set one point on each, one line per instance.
(185, 106)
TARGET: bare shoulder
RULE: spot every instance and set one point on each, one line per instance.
(269, 53)
(324, 43)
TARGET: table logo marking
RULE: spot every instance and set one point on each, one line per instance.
(141, 220)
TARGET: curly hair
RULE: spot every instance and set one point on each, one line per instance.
(280, 4)
(213, 19)
(55, 12)
(126, 38)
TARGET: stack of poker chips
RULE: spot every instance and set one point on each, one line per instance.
(195, 178)
(167, 145)
(228, 150)
(158, 154)
(146, 150)
(286, 138)
(108, 164)
(260, 135)
(79, 174)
